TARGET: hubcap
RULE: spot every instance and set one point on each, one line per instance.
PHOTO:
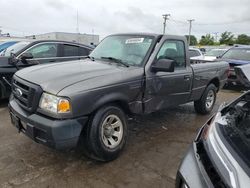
(112, 131)
(210, 99)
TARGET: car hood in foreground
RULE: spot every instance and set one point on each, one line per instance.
(227, 142)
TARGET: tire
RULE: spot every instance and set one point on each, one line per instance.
(203, 106)
(104, 138)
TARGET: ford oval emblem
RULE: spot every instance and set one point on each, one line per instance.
(19, 93)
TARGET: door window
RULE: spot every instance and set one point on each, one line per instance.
(174, 50)
(45, 50)
(69, 50)
(83, 51)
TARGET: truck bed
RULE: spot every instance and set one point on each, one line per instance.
(204, 71)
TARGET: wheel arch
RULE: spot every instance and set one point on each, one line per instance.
(216, 82)
(117, 99)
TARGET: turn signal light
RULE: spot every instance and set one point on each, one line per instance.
(63, 106)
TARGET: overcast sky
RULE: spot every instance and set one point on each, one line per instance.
(103, 17)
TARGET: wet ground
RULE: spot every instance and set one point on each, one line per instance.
(154, 151)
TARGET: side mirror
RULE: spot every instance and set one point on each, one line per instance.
(163, 65)
(26, 56)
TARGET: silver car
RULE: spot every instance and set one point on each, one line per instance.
(220, 155)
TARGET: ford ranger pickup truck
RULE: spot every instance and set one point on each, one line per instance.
(87, 102)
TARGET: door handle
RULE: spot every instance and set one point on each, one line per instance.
(187, 77)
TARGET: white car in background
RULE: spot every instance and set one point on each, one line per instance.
(213, 54)
(195, 54)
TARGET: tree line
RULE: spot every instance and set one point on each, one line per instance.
(227, 38)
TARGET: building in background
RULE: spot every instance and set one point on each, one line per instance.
(88, 39)
(10, 38)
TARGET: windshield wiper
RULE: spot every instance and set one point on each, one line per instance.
(116, 60)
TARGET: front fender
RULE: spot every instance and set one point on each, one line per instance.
(85, 104)
(110, 98)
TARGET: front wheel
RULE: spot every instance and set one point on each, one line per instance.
(106, 133)
(206, 103)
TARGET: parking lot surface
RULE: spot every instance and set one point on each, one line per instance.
(156, 145)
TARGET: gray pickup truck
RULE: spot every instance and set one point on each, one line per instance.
(88, 101)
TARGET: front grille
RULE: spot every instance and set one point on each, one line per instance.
(26, 94)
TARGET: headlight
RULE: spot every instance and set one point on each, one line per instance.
(54, 104)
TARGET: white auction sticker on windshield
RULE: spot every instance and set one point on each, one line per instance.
(134, 40)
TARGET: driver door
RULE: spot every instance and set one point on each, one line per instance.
(164, 89)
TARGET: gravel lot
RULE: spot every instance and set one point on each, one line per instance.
(155, 148)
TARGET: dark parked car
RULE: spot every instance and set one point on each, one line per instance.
(27, 53)
(236, 56)
(4, 45)
(220, 154)
(90, 100)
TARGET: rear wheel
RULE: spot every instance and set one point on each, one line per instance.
(206, 103)
(106, 134)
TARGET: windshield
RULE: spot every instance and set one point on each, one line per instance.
(127, 48)
(238, 54)
(216, 52)
(14, 48)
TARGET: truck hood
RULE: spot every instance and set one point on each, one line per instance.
(55, 77)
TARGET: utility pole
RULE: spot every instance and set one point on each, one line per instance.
(190, 27)
(165, 18)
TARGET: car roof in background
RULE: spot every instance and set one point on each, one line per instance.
(241, 47)
(219, 49)
(192, 48)
(34, 41)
